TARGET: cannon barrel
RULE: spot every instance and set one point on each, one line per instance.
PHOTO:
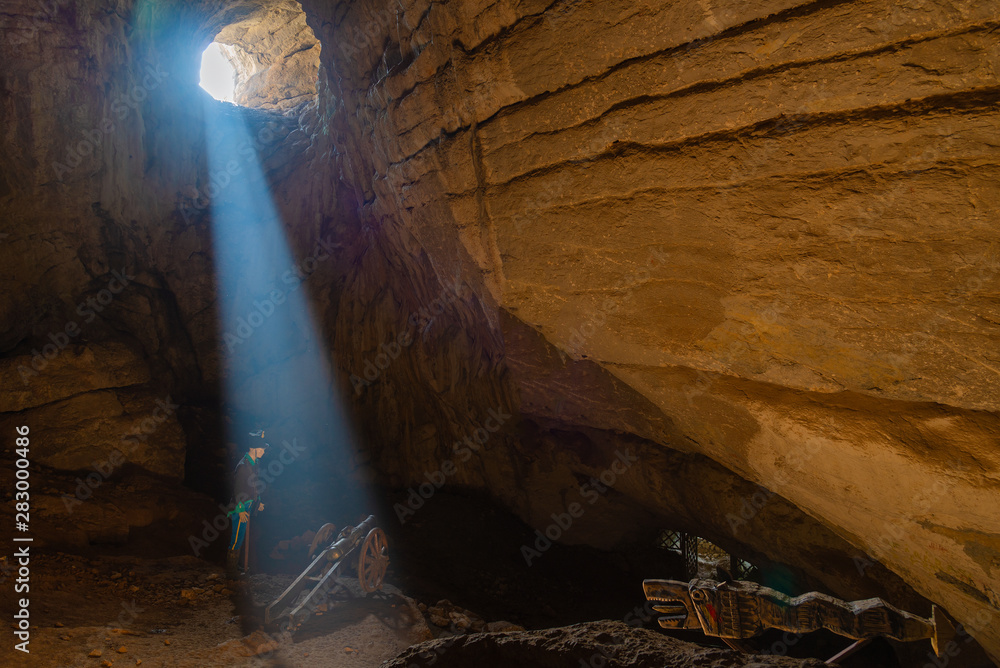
(345, 543)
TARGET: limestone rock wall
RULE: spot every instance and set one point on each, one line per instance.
(98, 410)
(767, 228)
(750, 243)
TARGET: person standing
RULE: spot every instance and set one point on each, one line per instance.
(246, 497)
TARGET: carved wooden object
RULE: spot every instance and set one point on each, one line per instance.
(733, 610)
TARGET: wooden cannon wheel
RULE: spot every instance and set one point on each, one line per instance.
(322, 538)
(373, 561)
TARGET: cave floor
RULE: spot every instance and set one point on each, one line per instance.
(177, 610)
(181, 611)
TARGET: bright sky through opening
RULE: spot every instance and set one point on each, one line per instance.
(217, 74)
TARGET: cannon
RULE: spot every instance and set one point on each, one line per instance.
(363, 546)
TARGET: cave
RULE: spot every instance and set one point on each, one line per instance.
(498, 310)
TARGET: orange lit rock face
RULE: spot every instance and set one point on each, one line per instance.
(755, 243)
(767, 227)
(277, 56)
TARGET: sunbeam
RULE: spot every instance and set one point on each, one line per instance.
(276, 370)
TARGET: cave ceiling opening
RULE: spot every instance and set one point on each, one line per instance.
(218, 74)
(272, 49)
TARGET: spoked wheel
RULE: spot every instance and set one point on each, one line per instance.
(322, 538)
(373, 561)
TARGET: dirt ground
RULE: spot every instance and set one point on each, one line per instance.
(182, 611)
(108, 607)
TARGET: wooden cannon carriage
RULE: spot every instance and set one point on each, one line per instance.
(362, 547)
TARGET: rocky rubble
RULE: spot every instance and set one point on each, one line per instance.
(446, 615)
(608, 644)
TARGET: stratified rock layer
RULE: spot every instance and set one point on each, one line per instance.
(760, 233)
(750, 245)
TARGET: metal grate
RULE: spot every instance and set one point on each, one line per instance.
(689, 548)
(670, 540)
(742, 569)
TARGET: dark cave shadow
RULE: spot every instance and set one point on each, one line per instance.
(346, 606)
(346, 611)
